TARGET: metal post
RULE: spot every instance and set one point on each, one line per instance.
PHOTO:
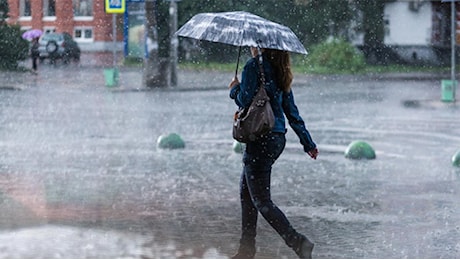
(453, 41)
(174, 40)
(114, 35)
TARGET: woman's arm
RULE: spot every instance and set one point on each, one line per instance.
(297, 124)
(244, 92)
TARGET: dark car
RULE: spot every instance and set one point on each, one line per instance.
(55, 46)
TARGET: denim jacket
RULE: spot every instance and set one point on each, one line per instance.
(282, 103)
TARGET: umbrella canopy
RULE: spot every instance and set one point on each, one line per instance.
(31, 34)
(241, 29)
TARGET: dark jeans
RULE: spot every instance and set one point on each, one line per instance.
(255, 189)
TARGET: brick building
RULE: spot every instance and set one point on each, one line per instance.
(85, 20)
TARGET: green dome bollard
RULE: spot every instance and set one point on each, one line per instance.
(456, 159)
(238, 147)
(171, 141)
(359, 150)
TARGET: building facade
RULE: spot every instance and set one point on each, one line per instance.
(419, 31)
(85, 20)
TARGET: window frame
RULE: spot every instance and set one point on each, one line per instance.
(22, 10)
(46, 8)
(83, 39)
(77, 16)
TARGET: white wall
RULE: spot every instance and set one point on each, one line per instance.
(408, 27)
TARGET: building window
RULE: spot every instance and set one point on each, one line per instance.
(24, 8)
(83, 34)
(49, 7)
(386, 25)
(82, 7)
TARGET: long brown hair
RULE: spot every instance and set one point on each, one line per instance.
(281, 63)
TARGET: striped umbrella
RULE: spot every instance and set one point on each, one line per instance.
(241, 29)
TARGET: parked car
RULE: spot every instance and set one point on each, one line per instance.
(55, 46)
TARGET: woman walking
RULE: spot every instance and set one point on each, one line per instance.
(35, 54)
(261, 154)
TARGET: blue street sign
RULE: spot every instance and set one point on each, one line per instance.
(115, 6)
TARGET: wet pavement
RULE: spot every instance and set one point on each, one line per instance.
(81, 175)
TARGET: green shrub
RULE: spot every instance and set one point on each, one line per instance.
(336, 56)
(12, 47)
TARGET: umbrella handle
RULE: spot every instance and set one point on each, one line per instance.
(238, 62)
(259, 51)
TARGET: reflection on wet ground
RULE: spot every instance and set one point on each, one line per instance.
(81, 176)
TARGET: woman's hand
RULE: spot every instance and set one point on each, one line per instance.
(234, 82)
(313, 153)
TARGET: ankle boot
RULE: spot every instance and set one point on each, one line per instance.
(247, 250)
(304, 248)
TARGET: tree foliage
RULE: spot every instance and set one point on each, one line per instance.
(373, 23)
(374, 31)
(12, 47)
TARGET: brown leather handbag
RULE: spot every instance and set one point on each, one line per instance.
(256, 120)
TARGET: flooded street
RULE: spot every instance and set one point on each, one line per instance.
(81, 175)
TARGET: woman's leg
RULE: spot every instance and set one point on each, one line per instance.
(258, 161)
(248, 211)
(249, 214)
(34, 63)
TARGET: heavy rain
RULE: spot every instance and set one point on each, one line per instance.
(82, 174)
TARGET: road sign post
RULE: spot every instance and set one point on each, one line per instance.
(114, 7)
